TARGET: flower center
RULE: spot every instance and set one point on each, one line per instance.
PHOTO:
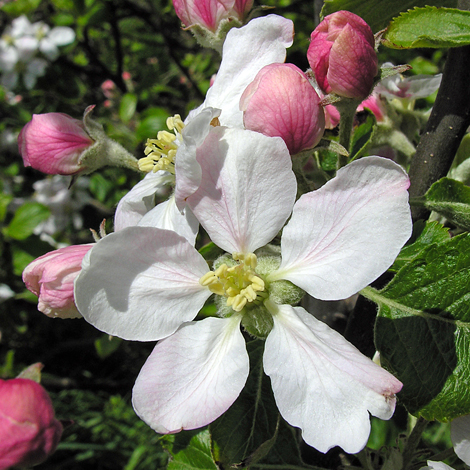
(239, 283)
(160, 152)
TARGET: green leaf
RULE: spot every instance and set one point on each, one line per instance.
(424, 234)
(106, 345)
(127, 107)
(429, 27)
(379, 13)
(451, 199)
(423, 329)
(26, 219)
(196, 455)
(363, 134)
(20, 7)
(153, 121)
(250, 430)
(5, 199)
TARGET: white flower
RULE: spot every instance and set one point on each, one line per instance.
(410, 88)
(246, 51)
(19, 44)
(145, 283)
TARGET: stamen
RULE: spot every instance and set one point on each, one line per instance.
(161, 152)
(239, 283)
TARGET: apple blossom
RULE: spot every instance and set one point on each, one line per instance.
(29, 432)
(338, 240)
(210, 20)
(247, 50)
(281, 102)
(209, 13)
(51, 278)
(56, 143)
(342, 55)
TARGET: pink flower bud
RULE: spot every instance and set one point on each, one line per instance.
(29, 432)
(53, 143)
(209, 13)
(281, 102)
(342, 55)
(51, 278)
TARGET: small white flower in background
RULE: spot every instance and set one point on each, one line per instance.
(5, 293)
(410, 88)
(19, 45)
(64, 203)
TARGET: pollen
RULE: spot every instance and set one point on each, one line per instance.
(160, 153)
(239, 283)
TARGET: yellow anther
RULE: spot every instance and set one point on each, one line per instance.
(239, 283)
(175, 122)
(161, 152)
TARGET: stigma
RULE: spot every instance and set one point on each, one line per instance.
(239, 283)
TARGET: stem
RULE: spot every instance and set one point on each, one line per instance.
(449, 120)
(345, 128)
(413, 441)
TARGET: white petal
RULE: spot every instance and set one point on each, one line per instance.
(460, 436)
(167, 216)
(140, 199)
(187, 168)
(344, 235)
(193, 376)
(246, 51)
(323, 384)
(436, 466)
(9, 56)
(61, 35)
(247, 190)
(9, 80)
(141, 283)
(49, 49)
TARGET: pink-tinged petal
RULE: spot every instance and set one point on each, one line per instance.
(281, 102)
(51, 277)
(239, 202)
(318, 55)
(344, 235)
(242, 7)
(167, 216)
(193, 376)
(353, 64)
(342, 56)
(374, 104)
(246, 51)
(141, 283)
(205, 13)
(29, 431)
(53, 143)
(460, 436)
(141, 199)
(323, 384)
(187, 168)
